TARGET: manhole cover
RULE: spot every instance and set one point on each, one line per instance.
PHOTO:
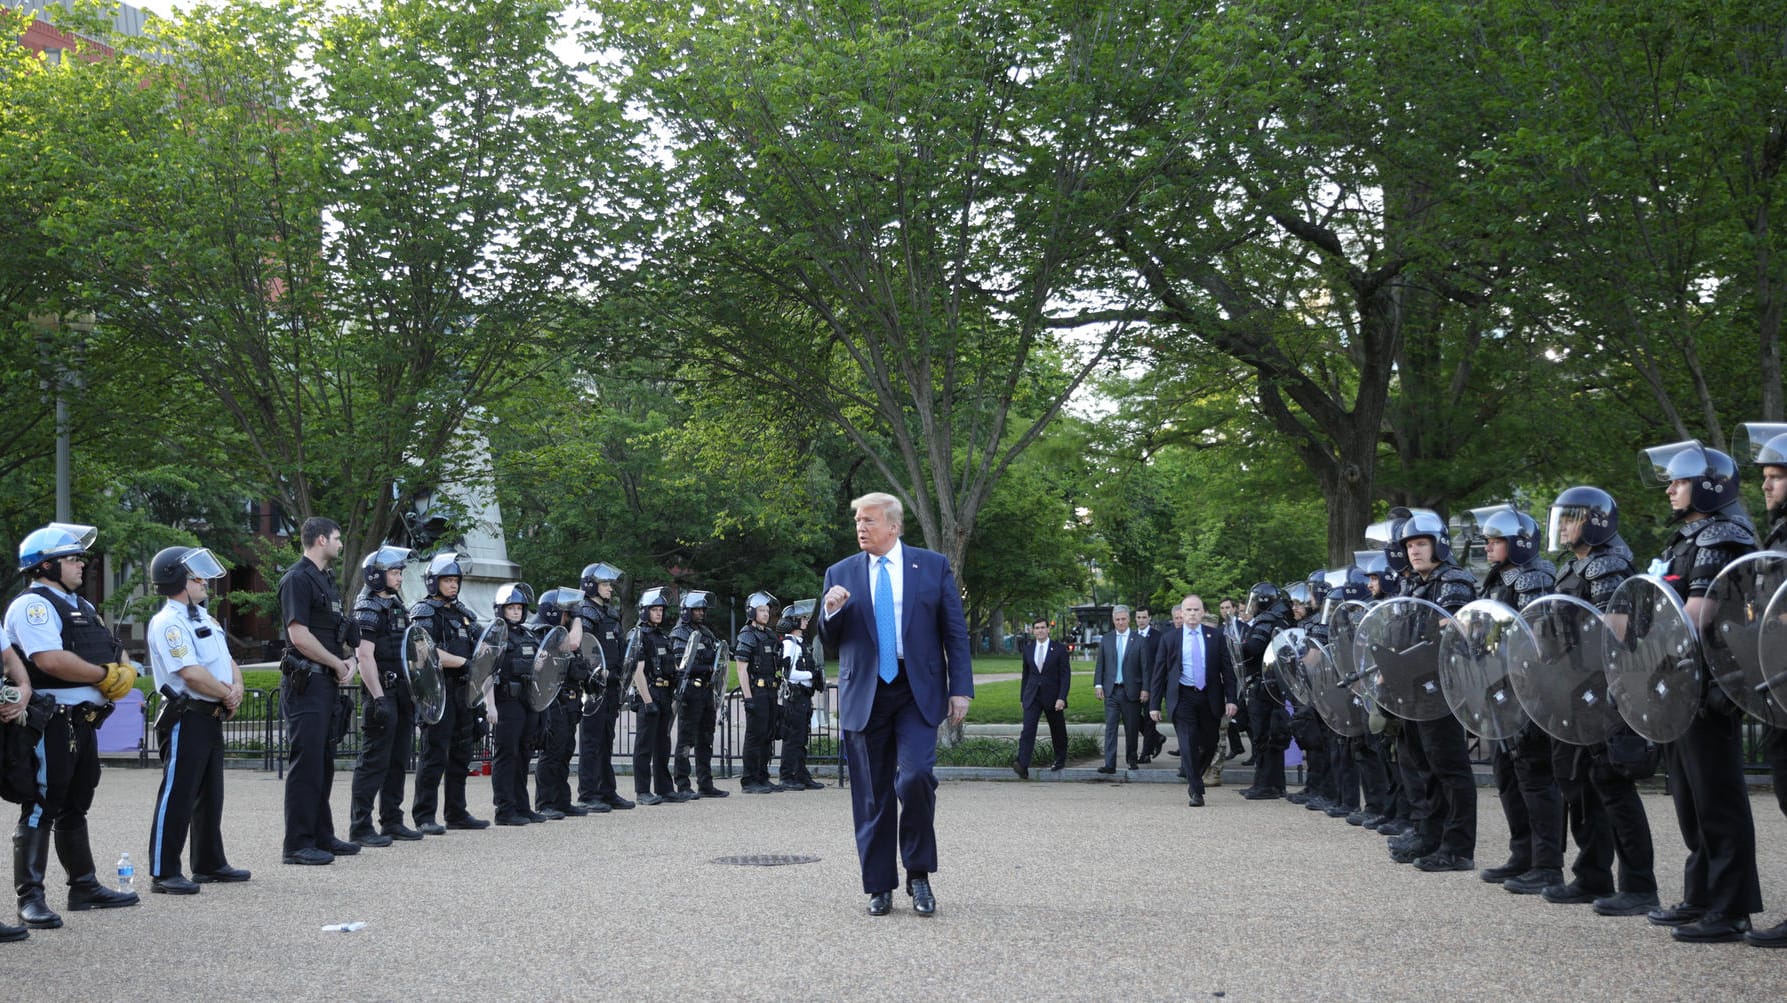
(766, 859)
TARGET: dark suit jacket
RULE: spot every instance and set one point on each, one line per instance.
(1138, 663)
(1219, 675)
(933, 630)
(1043, 685)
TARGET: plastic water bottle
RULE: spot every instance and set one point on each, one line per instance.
(127, 873)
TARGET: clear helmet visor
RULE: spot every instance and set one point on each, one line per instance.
(201, 563)
(1761, 442)
(1672, 462)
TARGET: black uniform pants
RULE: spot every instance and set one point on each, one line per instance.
(760, 726)
(1271, 730)
(651, 743)
(1420, 786)
(1614, 799)
(512, 747)
(384, 759)
(1444, 742)
(310, 767)
(695, 719)
(595, 736)
(447, 748)
(191, 797)
(1344, 791)
(1712, 805)
(558, 742)
(1373, 757)
(68, 773)
(1774, 752)
(796, 715)
(1526, 785)
(1306, 728)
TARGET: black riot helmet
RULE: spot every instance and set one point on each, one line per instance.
(173, 567)
(1714, 474)
(1424, 523)
(792, 614)
(386, 558)
(1516, 527)
(1262, 597)
(510, 593)
(756, 601)
(656, 596)
(597, 573)
(555, 603)
(444, 565)
(1318, 587)
(693, 601)
(1593, 508)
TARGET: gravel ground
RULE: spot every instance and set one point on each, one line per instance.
(1048, 891)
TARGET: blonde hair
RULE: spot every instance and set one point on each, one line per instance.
(889, 506)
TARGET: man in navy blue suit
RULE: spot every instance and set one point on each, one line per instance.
(1193, 677)
(894, 616)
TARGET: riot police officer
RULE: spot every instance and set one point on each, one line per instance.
(1720, 884)
(803, 676)
(1267, 614)
(448, 744)
(201, 685)
(652, 667)
(697, 652)
(514, 724)
(602, 694)
(14, 743)
(1605, 812)
(558, 722)
(319, 659)
(1767, 450)
(1525, 782)
(1439, 749)
(759, 657)
(389, 723)
(72, 657)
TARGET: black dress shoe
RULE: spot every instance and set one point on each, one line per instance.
(431, 828)
(923, 902)
(710, 791)
(1713, 928)
(1173, 752)
(1774, 936)
(1264, 794)
(1057, 767)
(340, 847)
(1023, 772)
(1439, 861)
(1408, 853)
(1675, 915)
(223, 875)
(534, 816)
(9, 933)
(174, 884)
(618, 803)
(678, 797)
(757, 789)
(512, 819)
(1571, 894)
(880, 903)
(309, 855)
(649, 798)
(595, 807)
(548, 815)
(1132, 765)
(1297, 797)
(574, 811)
(1627, 904)
(812, 785)
(468, 822)
(1340, 811)
(1109, 769)
(1197, 801)
(688, 794)
(397, 830)
(372, 839)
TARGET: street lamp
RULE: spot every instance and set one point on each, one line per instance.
(64, 359)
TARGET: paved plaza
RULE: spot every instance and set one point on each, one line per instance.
(1048, 891)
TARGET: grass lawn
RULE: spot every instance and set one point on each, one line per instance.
(997, 703)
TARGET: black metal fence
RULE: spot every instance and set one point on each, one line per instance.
(256, 734)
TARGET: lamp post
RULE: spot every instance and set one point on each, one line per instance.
(64, 356)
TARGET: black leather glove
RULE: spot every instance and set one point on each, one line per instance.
(379, 713)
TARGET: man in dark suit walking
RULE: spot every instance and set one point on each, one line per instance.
(1152, 741)
(1193, 677)
(894, 616)
(1043, 693)
(1118, 679)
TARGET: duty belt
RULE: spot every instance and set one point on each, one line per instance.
(661, 683)
(764, 680)
(80, 713)
(204, 707)
(697, 682)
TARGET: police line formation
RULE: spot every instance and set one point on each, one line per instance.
(1584, 678)
(542, 675)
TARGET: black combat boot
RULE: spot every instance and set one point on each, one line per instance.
(84, 890)
(30, 855)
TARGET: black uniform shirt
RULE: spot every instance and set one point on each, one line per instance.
(308, 596)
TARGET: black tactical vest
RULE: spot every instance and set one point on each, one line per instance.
(84, 633)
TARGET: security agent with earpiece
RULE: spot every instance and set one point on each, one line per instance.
(70, 655)
(201, 687)
(448, 744)
(389, 727)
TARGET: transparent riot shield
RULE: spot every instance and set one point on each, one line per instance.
(1344, 710)
(1398, 647)
(551, 662)
(1732, 643)
(1653, 660)
(1284, 657)
(1343, 628)
(1559, 670)
(1476, 659)
(422, 664)
(483, 661)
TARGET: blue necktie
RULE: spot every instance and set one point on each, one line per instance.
(1120, 659)
(884, 620)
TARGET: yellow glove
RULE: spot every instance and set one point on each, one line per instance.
(119, 678)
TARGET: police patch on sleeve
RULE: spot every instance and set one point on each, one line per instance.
(177, 644)
(37, 613)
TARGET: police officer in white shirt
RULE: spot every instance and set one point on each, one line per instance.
(201, 686)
